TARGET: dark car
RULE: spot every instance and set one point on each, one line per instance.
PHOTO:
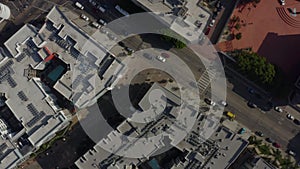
(296, 121)
(276, 145)
(242, 131)
(147, 55)
(129, 49)
(270, 140)
(209, 102)
(207, 31)
(251, 91)
(122, 44)
(259, 133)
(165, 55)
(252, 105)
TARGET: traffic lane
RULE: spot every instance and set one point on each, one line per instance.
(272, 124)
(109, 15)
(190, 58)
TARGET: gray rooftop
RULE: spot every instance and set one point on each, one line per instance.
(184, 26)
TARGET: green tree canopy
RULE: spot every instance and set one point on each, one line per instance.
(256, 65)
(170, 36)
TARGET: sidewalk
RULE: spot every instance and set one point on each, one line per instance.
(235, 127)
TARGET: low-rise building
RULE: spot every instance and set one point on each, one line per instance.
(45, 65)
(191, 21)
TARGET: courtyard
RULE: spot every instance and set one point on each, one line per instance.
(269, 29)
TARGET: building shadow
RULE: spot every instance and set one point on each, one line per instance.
(283, 51)
(295, 146)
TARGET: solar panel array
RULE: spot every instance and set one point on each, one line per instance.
(21, 57)
(22, 96)
(31, 44)
(4, 75)
(32, 109)
(12, 83)
(6, 70)
(36, 118)
(77, 81)
(3, 147)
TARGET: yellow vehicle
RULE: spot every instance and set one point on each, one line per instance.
(230, 115)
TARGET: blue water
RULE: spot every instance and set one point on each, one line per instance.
(154, 164)
(56, 73)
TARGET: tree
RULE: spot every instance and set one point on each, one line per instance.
(238, 36)
(237, 26)
(256, 66)
(174, 38)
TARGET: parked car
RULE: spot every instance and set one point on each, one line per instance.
(147, 55)
(165, 55)
(101, 8)
(78, 5)
(93, 2)
(296, 121)
(224, 103)
(259, 133)
(230, 115)
(207, 31)
(212, 23)
(289, 116)
(277, 145)
(278, 109)
(242, 130)
(102, 22)
(84, 17)
(210, 102)
(251, 91)
(129, 49)
(282, 2)
(122, 44)
(198, 23)
(252, 105)
(160, 58)
(95, 24)
(270, 140)
(292, 153)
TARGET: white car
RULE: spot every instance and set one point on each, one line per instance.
(223, 103)
(282, 2)
(212, 23)
(84, 17)
(160, 58)
(101, 8)
(102, 22)
(96, 25)
(292, 153)
(289, 116)
(210, 102)
(278, 109)
(78, 5)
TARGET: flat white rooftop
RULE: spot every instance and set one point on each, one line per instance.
(184, 26)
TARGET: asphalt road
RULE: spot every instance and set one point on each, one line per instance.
(273, 124)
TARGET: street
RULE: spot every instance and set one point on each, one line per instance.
(272, 123)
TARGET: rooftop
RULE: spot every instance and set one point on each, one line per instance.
(84, 55)
(190, 13)
(152, 130)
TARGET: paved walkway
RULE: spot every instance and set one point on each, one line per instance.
(268, 34)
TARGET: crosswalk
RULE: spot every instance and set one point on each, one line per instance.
(205, 79)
